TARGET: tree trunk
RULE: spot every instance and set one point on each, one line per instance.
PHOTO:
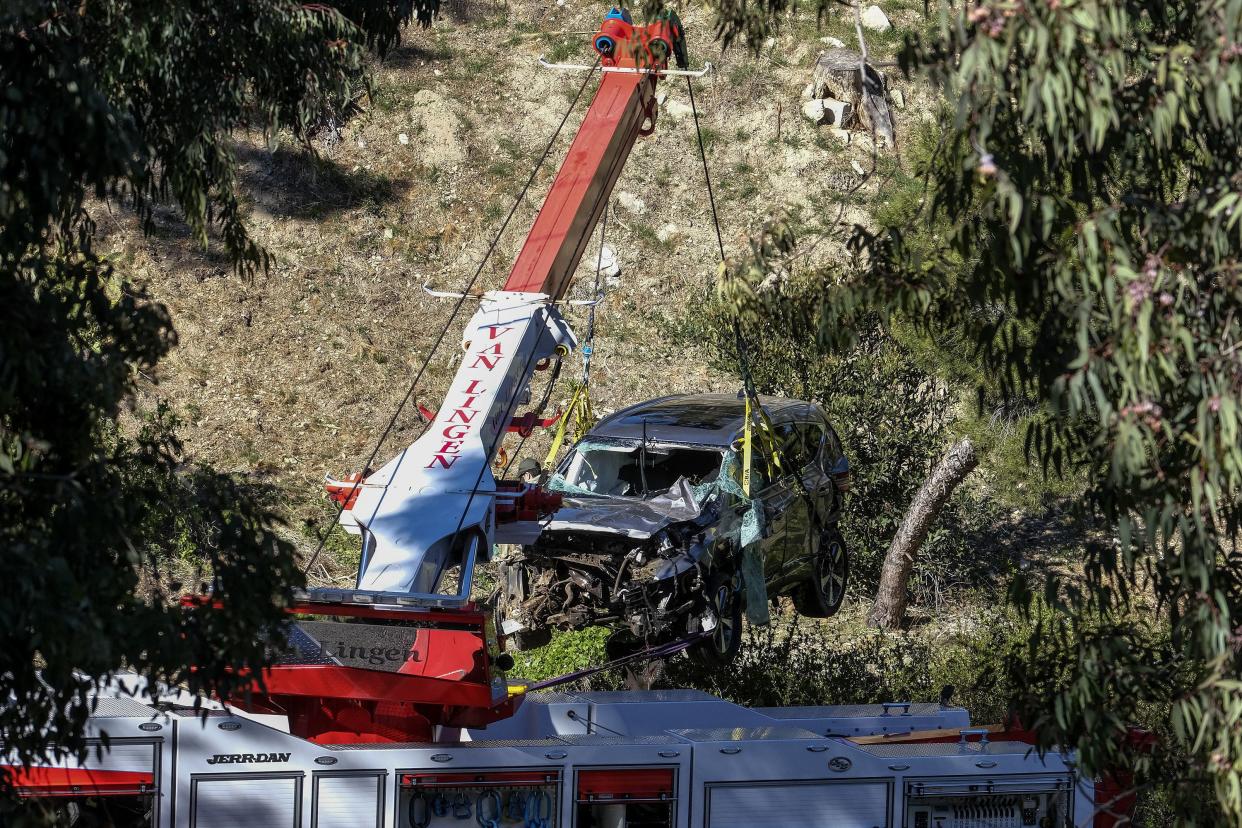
(890, 600)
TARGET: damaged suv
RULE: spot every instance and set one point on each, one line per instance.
(657, 539)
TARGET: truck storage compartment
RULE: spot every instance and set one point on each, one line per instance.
(231, 800)
(348, 799)
(81, 798)
(1033, 802)
(625, 798)
(799, 805)
(482, 797)
(116, 787)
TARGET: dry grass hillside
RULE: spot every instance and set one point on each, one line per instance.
(294, 373)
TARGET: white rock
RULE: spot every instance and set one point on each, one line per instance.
(838, 112)
(842, 135)
(677, 110)
(858, 168)
(808, 92)
(668, 233)
(631, 203)
(874, 18)
(609, 265)
(814, 111)
(898, 99)
(832, 42)
(403, 138)
(388, 232)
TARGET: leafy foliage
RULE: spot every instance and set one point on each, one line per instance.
(566, 653)
(1092, 177)
(135, 102)
(793, 662)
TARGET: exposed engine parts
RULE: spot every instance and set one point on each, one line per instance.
(579, 579)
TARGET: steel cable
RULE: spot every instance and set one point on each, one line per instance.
(448, 323)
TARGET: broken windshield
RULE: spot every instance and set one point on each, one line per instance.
(631, 469)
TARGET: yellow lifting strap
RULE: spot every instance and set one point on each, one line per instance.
(758, 422)
(584, 418)
(747, 430)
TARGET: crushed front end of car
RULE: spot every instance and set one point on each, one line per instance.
(624, 554)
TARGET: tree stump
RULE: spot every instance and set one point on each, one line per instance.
(837, 75)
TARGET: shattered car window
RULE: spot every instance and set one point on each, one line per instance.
(632, 469)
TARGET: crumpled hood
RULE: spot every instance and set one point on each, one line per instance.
(625, 515)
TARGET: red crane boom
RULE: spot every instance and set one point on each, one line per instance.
(623, 108)
(555, 243)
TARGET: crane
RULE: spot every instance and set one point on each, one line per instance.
(432, 508)
(406, 649)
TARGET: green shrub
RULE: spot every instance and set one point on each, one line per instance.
(794, 661)
(567, 652)
(894, 418)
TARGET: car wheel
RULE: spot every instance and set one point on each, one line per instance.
(821, 596)
(725, 601)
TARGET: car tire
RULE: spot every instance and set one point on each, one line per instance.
(725, 599)
(821, 596)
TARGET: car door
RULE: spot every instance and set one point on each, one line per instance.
(786, 499)
(767, 494)
(773, 499)
(816, 495)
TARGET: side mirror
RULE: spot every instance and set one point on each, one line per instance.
(840, 474)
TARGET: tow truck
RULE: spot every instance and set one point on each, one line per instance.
(390, 706)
